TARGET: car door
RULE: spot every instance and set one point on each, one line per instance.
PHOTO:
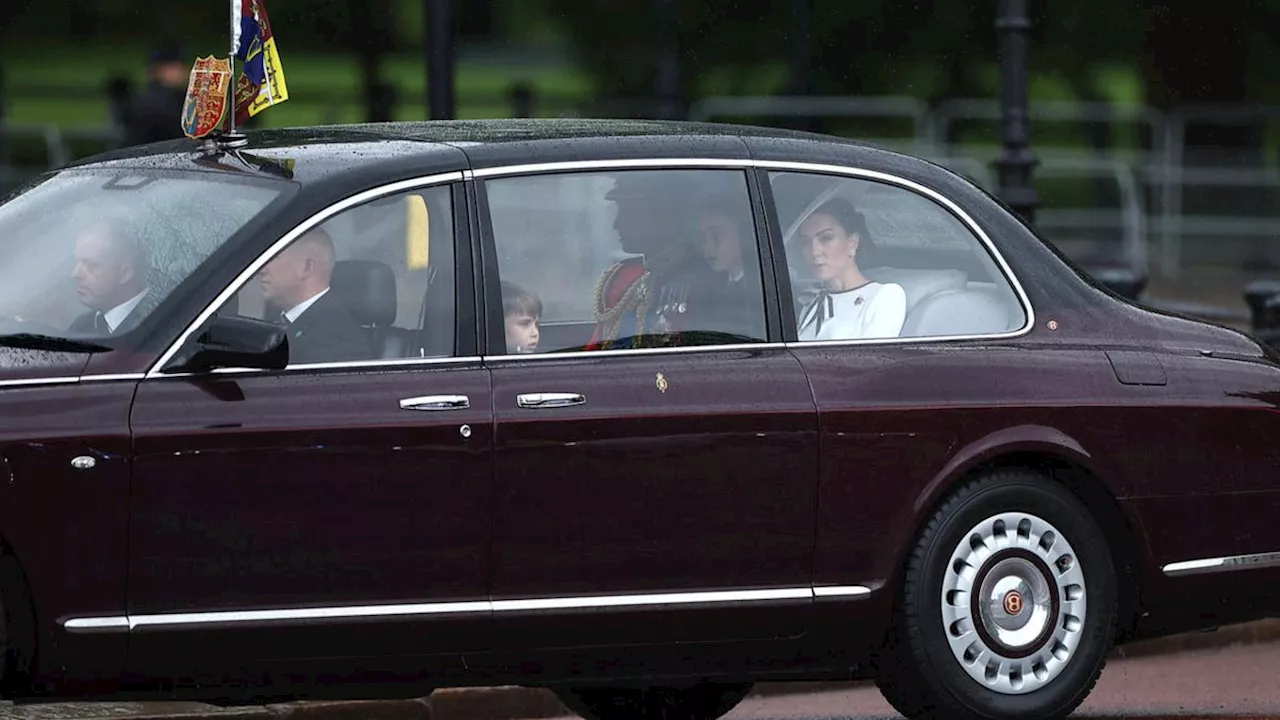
(891, 297)
(655, 474)
(333, 511)
(64, 457)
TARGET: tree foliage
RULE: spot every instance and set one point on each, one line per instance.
(1186, 52)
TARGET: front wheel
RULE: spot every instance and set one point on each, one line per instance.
(1007, 608)
(704, 701)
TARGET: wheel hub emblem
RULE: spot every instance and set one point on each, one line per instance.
(1013, 602)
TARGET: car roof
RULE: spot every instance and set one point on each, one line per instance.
(312, 154)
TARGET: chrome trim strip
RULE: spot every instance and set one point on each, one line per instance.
(25, 382)
(97, 623)
(635, 351)
(841, 591)
(656, 162)
(329, 613)
(346, 365)
(68, 380)
(277, 246)
(478, 606)
(677, 162)
(1019, 291)
(1223, 564)
(108, 378)
(691, 598)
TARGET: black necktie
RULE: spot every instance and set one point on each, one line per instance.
(100, 324)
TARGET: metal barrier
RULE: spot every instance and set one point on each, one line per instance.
(949, 112)
(1130, 217)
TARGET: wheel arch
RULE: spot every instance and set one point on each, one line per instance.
(1060, 459)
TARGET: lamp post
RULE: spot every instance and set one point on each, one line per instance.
(1016, 161)
(440, 53)
(668, 81)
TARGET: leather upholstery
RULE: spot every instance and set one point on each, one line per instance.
(368, 289)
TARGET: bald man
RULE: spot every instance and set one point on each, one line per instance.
(320, 328)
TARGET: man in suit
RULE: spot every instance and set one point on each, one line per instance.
(110, 276)
(320, 328)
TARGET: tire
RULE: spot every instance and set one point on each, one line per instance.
(17, 630)
(1007, 532)
(704, 701)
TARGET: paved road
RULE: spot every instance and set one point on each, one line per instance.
(1242, 681)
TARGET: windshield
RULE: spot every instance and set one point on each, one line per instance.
(89, 254)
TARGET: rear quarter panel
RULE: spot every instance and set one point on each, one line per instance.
(1190, 463)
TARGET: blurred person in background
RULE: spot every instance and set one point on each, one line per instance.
(156, 113)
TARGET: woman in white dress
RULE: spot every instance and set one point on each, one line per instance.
(850, 307)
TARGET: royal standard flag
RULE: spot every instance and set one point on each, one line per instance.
(261, 82)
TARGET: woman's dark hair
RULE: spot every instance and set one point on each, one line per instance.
(853, 222)
(517, 300)
(849, 218)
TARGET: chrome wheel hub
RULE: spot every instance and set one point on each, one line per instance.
(1013, 603)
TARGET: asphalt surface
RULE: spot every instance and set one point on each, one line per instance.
(1240, 681)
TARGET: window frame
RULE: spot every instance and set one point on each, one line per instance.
(490, 275)
(764, 169)
(466, 348)
(478, 292)
(782, 327)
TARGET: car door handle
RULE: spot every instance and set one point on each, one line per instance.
(549, 400)
(436, 402)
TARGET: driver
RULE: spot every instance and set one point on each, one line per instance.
(110, 277)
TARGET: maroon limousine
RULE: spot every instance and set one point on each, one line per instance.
(641, 412)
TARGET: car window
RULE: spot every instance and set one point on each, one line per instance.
(92, 253)
(626, 259)
(873, 260)
(374, 282)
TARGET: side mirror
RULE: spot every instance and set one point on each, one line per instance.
(237, 342)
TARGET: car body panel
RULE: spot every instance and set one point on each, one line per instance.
(680, 473)
(309, 490)
(67, 524)
(1167, 421)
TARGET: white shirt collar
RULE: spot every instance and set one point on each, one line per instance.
(117, 314)
(293, 313)
(736, 276)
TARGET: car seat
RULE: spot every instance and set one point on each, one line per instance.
(367, 288)
(943, 303)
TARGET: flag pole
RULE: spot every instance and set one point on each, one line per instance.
(236, 13)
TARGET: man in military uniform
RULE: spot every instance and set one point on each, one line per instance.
(646, 301)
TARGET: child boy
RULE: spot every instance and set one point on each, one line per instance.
(522, 316)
